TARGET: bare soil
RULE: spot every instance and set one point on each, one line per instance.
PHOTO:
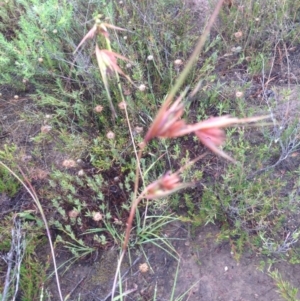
(207, 271)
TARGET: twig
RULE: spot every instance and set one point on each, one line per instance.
(14, 259)
(9, 260)
(73, 290)
(123, 276)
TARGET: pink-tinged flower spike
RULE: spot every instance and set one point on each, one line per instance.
(167, 122)
(210, 132)
(90, 35)
(167, 184)
(213, 138)
(97, 28)
(107, 62)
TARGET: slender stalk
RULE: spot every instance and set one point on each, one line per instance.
(178, 84)
(183, 75)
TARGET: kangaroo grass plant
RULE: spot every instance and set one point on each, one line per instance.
(168, 122)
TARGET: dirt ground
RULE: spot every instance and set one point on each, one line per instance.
(207, 271)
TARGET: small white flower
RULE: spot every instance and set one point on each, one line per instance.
(81, 173)
(97, 216)
(110, 135)
(142, 87)
(150, 58)
(239, 94)
(178, 62)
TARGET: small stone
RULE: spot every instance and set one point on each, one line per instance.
(236, 49)
(226, 269)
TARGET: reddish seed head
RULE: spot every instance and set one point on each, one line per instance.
(215, 136)
(164, 184)
(167, 123)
